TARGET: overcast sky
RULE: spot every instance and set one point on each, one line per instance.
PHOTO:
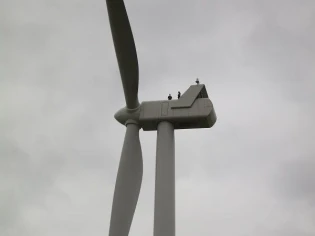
(253, 173)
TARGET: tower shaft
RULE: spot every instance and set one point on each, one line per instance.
(164, 205)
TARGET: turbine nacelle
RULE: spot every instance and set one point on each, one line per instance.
(192, 110)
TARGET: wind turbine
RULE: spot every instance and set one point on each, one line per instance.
(192, 110)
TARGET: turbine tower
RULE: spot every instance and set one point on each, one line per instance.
(192, 110)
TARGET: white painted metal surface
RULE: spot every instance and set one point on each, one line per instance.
(192, 110)
(128, 183)
(164, 203)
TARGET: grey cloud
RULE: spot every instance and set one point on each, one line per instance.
(296, 179)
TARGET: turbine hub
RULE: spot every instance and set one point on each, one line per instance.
(125, 116)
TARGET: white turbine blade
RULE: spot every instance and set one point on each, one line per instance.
(128, 183)
(125, 50)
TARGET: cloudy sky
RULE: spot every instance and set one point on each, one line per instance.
(253, 173)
